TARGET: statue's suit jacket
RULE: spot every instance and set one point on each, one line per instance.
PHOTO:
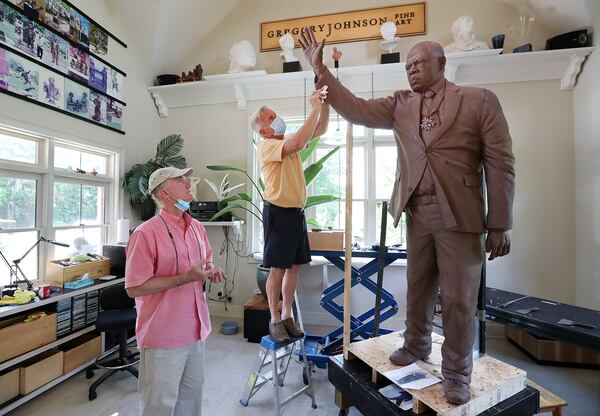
(473, 134)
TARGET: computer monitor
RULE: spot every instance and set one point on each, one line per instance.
(116, 254)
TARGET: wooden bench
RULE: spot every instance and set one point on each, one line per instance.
(549, 402)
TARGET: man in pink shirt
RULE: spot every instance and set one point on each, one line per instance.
(168, 260)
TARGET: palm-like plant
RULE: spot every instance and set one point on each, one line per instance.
(310, 173)
(135, 180)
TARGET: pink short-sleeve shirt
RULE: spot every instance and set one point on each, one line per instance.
(178, 316)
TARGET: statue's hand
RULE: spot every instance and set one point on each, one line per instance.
(313, 50)
(497, 244)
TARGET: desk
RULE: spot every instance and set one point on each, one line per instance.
(352, 379)
(544, 322)
(319, 348)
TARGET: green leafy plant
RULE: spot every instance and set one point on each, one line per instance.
(244, 201)
(135, 180)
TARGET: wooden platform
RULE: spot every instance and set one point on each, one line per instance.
(492, 381)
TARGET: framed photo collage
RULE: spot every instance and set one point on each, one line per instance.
(49, 55)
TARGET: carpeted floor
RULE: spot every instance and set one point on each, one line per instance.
(229, 360)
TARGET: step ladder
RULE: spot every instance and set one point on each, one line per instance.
(277, 356)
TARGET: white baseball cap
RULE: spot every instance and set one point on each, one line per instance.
(162, 174)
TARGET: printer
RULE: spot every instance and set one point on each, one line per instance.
(205, 210)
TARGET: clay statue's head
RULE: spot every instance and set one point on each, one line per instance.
(425, 65)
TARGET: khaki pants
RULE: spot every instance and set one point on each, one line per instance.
(451, 260)
(171, 380)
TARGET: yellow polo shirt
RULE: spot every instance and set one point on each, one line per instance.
(284, 178)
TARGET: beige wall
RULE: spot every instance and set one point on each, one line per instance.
(587, 176)
(491, 17)
(140, 120)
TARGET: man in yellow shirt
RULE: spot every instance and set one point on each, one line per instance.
(285, 237)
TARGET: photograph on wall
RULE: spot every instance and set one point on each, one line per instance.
(76, 98)
(115, 84)
(24, 38)
(57, 15)
(51, 88)
(33, 9)
(98, 77)
(7, 24)
(97, 107)
(114, 114)
(3, 69)
(78, 64)
(98, 40)
(55, 51)
(23, 76)
(80, 28)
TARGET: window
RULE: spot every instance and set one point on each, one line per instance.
(373, 176)
(75, 204)
(18, 222)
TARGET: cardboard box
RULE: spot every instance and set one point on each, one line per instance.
(326, 240)
(34, 374)
(9, 385)
(57, 275)
(18, 337)
(543, 349)
(81, 351)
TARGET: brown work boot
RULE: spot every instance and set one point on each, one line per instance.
(456, 392)
(403, 358)
(278, 332)
(292, 329)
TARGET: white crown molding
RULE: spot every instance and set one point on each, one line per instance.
(469, 68)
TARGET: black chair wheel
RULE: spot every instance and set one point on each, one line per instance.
(89, 374)
(92, 395)
(305, 377)
(343, 412)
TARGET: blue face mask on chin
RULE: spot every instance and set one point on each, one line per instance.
(181, 204)
(278, 125)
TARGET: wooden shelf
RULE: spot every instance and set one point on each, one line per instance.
(235, 223)
(24, 399)
(471, 68)
(44, 348)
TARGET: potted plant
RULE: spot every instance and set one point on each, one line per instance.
(246, 203)
(221, 193)
(135, 180)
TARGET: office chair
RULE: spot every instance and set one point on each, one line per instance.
(116, 319)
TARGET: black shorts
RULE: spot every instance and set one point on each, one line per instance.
(286, 237)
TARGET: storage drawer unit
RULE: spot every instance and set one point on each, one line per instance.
(18, 337)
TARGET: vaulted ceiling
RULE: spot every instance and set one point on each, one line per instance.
(166, 31)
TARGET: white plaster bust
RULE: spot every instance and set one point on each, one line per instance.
(390, 41)
(287, 45)
(242, 57)
(464, 36)
(194, 181)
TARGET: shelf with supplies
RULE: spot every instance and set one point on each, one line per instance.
(37, 354)
(465, 68)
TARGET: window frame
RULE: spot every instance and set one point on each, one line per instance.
(371, 140)
(47, 175)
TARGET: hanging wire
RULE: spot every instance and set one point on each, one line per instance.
(337, 116)
(305, 99)
(372, 87)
